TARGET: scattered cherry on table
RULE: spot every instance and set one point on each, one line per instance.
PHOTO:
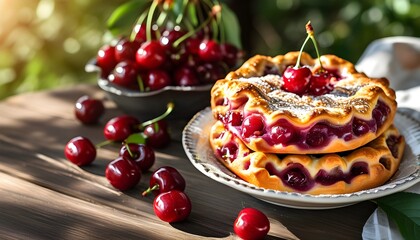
(89, 110)
(164, 179)
(80, 151)
(172, 206)
(123, 174)
(251, 224)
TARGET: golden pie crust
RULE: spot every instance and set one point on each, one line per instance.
(251, 165)
(253, 90)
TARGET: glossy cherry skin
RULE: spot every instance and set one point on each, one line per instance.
(230, 54)
(251, 224)
(172, 206)
(105, 59)
(126, 50)
(169, 37)
(157, 135)
(125, 75)
(165, 179)
(80, 151)
(150, 55)
(157, 79)
(140, 31)
(123, 174)
(210, 51)
(296, 80)
(88, 110)
(143, 155)
(185, 76)
(119, 128)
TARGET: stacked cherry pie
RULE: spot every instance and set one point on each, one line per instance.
(321, 128)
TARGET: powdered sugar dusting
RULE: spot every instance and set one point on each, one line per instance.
(269, 86)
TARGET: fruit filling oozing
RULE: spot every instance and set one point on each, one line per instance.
(282, 132)
(296, 176)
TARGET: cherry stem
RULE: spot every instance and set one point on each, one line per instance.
(150, 19)
(214, 11)
(300, 52)
(129, 150)
(169, 109)
(150, 189)
(310, 31)
(140, 83)
(104, 143)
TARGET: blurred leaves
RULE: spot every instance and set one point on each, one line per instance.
(123, 18)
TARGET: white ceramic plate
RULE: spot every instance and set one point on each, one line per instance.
(196, 145)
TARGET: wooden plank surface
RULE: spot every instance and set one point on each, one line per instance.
(46, 197)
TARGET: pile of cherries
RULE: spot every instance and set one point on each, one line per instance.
(136, 156)
(157, 56)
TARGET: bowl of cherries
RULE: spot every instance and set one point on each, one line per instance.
(170, 54)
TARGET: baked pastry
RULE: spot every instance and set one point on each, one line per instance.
(341, 109)
(363, 168)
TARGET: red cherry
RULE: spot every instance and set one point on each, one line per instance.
(88, 110)
(157, 135)
(185, 76)
(80, 151)
(142, 154)
(125, 75)
(193, 45)
(230, 54)
(251, 224)
(126, 50)
(119, 128)
(296, 80)
(150, 55)
(170, 36)
(209, 51)
(105, 59)
(157, 79)
(172, 206)
(253, 125)
(122, 174)
(210, 72)
(140, 31)
(165, 179)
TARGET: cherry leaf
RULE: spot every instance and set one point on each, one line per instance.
(404, 209)
(124, 17)
(137, 138)
(231, 26)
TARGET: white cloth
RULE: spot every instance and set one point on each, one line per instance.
(398, 59)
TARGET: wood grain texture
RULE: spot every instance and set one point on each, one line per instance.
(46, 197)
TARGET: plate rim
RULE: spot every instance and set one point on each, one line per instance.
(300, 200)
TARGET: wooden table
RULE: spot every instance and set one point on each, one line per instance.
(43, 196)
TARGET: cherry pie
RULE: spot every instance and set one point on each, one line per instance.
(335, 173)
(340, 109)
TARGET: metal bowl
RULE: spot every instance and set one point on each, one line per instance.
(146, 105)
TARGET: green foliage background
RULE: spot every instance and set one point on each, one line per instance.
(46, 43)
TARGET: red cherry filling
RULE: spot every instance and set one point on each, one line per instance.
(285, 133)
(318, 136)
(228, 151)
(253, 125)
(282, 133)
(297, 176)
(360, 127)
(235, 118)
(392, 142)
